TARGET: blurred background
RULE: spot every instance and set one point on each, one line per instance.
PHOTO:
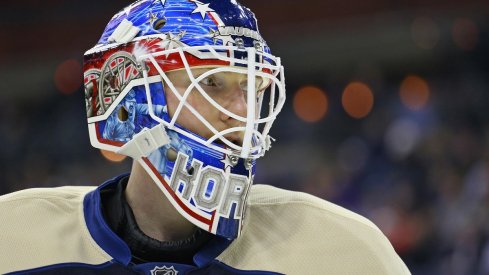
(387, 112)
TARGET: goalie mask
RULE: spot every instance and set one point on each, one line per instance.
(178, 85)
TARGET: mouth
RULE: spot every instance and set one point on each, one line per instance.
(234, 139)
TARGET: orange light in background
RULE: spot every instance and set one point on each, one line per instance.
(414, 92)
(68, 76)
(112, 156)
(310, 103)
(357, 100)
(425, 32)
(465, 34)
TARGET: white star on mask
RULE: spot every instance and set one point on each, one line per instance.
(227, 164)
(202, 8)
(172, 41)
(152, 18)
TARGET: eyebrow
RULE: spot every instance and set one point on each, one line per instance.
(199, 73)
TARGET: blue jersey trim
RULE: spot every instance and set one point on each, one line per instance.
(98, 228)
(209, 252)
(217, 267)
(60, 266)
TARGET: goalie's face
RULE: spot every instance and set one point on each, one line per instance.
(227, 89)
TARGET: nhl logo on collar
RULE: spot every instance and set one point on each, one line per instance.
(164, 270)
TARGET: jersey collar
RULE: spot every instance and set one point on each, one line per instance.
(116, 247)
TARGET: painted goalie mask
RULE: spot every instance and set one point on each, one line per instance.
(135, 106)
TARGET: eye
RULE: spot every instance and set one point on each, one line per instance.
(209, 81)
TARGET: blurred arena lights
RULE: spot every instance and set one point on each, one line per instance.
(310, 103)
(465, 33)
(111, 156)
(425, 32)
(68, 76)
(357, 99)
(414, 92)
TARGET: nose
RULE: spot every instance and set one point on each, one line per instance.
(236, 103)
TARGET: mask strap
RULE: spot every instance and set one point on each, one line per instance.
(145, 142)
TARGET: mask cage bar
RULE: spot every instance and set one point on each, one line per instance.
(252, 121)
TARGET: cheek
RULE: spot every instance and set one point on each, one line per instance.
(171, 101)
(202, 106)
(186, 118)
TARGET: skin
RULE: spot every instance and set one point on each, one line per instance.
(154, 214)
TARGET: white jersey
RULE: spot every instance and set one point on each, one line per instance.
(62, 230)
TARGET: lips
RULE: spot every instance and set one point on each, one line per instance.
(233, 138)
